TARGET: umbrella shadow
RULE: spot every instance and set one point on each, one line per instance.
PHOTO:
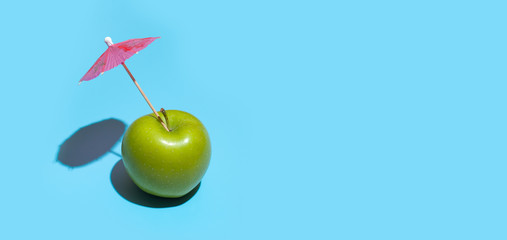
(126, 188)
(90, 142)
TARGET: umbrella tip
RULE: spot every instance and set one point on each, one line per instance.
(108, 41)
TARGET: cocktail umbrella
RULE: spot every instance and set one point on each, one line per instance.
(115, 55)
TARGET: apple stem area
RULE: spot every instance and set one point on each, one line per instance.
(166, 119)
(166, 127)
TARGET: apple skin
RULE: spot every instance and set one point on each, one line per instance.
(162, 163)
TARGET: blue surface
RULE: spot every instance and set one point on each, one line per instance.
(328, 120)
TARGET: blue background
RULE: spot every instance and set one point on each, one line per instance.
(328, 119)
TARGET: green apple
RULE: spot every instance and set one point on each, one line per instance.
(166, 163)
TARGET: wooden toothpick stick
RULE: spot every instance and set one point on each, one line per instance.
(145, 98)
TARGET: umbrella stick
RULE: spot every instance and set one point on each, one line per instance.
(145, 98)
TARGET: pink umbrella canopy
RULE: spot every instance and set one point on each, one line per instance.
(115, 55)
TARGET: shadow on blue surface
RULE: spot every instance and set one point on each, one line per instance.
(124, 185)
(90, 142)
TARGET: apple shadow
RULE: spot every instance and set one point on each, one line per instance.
(90, 142)
(126, 188)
